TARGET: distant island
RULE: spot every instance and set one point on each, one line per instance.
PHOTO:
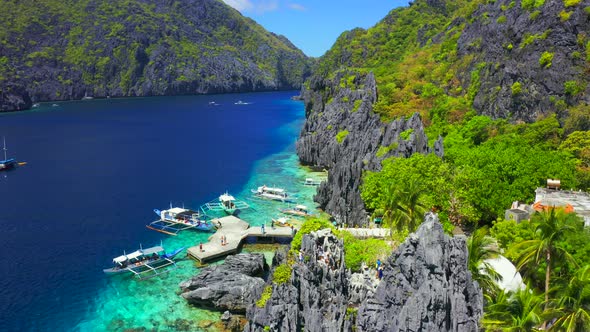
(63, 51)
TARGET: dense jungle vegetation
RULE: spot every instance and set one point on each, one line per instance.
(489, 161)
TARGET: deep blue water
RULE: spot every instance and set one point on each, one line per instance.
(95, 171)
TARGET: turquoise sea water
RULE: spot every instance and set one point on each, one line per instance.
(96, 170)
(126, 303)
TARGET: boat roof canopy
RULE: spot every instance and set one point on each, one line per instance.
(175, 210)
(123, 258)
(301, 207)
(226, 197)
(152, 250)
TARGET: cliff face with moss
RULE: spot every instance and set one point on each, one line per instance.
(59, 50)
(445, 61)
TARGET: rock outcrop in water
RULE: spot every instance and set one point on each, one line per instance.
(232, 286)
(426, 287)
(343, 134)
(61, 50)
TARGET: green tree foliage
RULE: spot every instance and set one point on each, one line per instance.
(481, 247)
(281, 274)
(550, 227)
(358, 251)
(509, 232)
(578, 119)
(430, 172)
(519, 311)
(264, 297)
(573, 303)
(341, 136)
(311, 224)
(516, 88)
(546, 59)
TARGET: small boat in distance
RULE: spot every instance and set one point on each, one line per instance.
(281, 222)
(297, 210)
(174, 220)
(144, 263)
(312, 182)
(275, 194)
(7, 163)
(227, 203)
(239, 102)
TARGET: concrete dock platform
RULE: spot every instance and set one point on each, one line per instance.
(235, 231)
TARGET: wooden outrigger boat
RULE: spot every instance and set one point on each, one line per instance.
(297, 210)
(225, 202)
(174, 220)
(275, 194)
(8, 163)
(144, 263)
(282, 221)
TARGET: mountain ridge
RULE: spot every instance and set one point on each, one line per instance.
(95, 48)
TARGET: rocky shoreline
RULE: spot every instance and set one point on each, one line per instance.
(426, 286)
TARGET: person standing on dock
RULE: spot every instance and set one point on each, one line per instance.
(262, 228)
(201, 246)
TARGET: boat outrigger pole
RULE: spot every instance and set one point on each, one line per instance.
(4, 139)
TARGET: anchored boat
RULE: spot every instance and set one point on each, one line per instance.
(225, 202)
(7, 163)
(297, 210)
(275, 194)
(312, 182)
(178, 219)
(282, 221)
(144, 263)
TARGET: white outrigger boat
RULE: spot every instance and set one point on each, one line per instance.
(297, 210)
(144, 263)
(225, 202)
(282, 221)
(178, 219)
(275, 194)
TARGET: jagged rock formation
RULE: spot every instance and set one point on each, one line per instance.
(426, 287)
(232, 286)
(67, 50)
(509, 41)
(14, 98)
(331, 111)
(315, 298)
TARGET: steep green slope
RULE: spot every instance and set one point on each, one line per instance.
(72, 48)
(506, 59)
(503, 82)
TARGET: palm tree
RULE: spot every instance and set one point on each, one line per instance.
(574, 304)
(550, 227)
(404, 208)
(481, 248)
(518, 311)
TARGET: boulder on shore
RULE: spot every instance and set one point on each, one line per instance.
(231, 286)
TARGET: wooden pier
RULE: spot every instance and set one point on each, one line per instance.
(235, 231)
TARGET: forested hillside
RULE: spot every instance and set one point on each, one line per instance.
(499, 90)
(503, 83)
(59, 50)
